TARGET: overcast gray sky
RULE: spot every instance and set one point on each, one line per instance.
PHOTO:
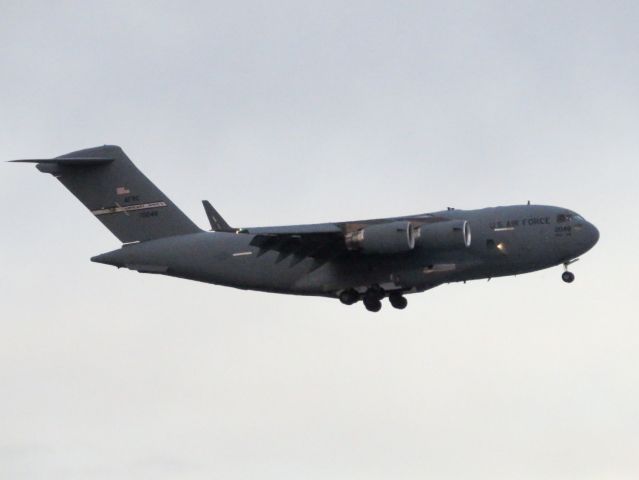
(293, 112)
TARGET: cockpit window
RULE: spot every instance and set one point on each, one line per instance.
(569, 217)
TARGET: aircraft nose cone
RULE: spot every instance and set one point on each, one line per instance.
(594, 234)
(586, 236)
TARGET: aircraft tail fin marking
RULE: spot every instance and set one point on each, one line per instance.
(106, 181)
(129, 208)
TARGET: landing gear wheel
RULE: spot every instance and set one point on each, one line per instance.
(349, 297)
(372, 302)
(568, 277)
(397, 300)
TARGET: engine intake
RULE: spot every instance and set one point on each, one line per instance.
(383, 238)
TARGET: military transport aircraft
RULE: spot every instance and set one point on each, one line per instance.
(365, 260)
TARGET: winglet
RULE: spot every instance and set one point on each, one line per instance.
(218, 224)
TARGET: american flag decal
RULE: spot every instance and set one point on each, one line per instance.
(122, 191)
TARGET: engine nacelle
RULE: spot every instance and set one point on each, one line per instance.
(449, 234)
(383, 238)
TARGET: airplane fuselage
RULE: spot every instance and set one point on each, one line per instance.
(505, 241)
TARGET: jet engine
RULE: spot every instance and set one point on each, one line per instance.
(383, 238)
(449, 234)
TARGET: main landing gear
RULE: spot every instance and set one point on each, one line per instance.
(372, 298)
(372, 301)
(349, 297)
(398, 301)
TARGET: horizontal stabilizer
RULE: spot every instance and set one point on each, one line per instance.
(69, 162)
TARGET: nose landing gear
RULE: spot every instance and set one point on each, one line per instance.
(567, 276)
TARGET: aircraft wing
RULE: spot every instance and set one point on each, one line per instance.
(321, 245)
(313, 229)
(337, 228)
(322, 241)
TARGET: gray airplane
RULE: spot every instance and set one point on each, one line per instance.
(365, 260)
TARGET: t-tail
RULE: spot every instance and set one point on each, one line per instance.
(106, 181)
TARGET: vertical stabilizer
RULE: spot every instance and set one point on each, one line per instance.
(106, 181)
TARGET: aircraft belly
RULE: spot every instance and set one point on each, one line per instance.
(414, 272)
